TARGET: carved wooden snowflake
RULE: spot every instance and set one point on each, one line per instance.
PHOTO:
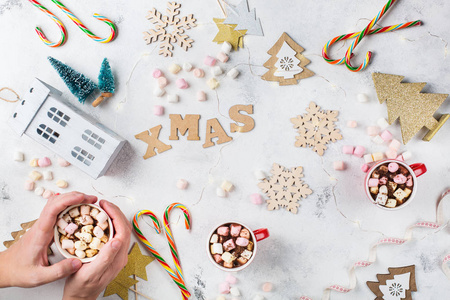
(316, 128)
(285, 188)
(162, 31)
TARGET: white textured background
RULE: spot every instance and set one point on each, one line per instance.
(306, 252)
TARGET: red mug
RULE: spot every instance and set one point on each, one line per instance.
(257, 235)
(415, 170)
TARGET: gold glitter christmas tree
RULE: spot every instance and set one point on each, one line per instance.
(406, 103)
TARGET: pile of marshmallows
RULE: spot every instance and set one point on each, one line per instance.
(181, 83)
(35, 176)
(84, 231)
(228, 287)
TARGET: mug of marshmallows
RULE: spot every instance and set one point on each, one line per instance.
(81, 231)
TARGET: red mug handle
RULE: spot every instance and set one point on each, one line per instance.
(261, 234)
(419, 169)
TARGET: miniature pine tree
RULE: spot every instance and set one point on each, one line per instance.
(105, 82)
(79, 85)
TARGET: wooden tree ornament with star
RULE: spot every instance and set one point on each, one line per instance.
(287, 65)
(396, 285)
(406, 103)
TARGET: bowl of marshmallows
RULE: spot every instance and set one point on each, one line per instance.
(82, 230)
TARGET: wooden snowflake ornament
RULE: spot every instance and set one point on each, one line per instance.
(165, 36)
(316, 129)
(285, 188)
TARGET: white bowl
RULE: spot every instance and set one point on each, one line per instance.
(57, 234)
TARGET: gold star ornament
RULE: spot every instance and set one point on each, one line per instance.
(228, 34)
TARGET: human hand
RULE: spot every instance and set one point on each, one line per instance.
(92, 278)
(25, 263)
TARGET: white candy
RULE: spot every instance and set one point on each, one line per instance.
(382, 123)
(67, 244)
(216, 70)
(48, 175)
(29, 185)
(260, 175)
(378, 140)
(87, 228)
(80, 254)
(233, 73)
(39, 191)
(174, 68)
(47, 194)
(221, 297)
(226, 47)
(95, 244)
(182, 184)
(74, 212)
(61, 223)
(62, 184)
(80, 245)
(362, 97)
(368, 158)
(228, 257)
(383, 190)
(18, 156)
(187, 67)
(172, 98)
(94, 212)
(235, 291)
(35, 175)
(86, 220)
(221, 193)
(381, 199)
(201, 96)
(406, 155)
(102, 217)
(158, 92)
(214, 238)
(98, 232)
(258, 297)
(247, 254)
(216, 248)
(86, 237)
(227, 186)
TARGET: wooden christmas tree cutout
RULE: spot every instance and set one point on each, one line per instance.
(397, 285)
(406, 103)
(287, 64)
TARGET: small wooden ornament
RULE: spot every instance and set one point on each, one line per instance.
(396, 285)
(215, 130)
(188, 124)
(152, 141)
(18, 234)
(235, 115)
(287, 64)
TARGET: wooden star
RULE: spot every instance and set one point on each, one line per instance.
(120, 285)
(227, 33)
(137, 262)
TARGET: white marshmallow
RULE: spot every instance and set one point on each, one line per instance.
(86, 237)
(61, 223)
(214, 238)
(362, 98)
(102, 217)
(80, 245)
(95, 244)
(74, 212)
(62, 184)
(48, 175)
(187, 67)
(80, 254)
(216, 248)
(221, 193)
(172, 98)
(39, 191)
(382, 123)
(67, 244)
(19, 156)
(216, 70)
(29, 185)
(406, 155)
(378, 140)
(226, 47)
(233, 73)
(227, 186)
(247, 254)
(259, 175)
(259, 297)
(98, 232)
(368, 158)
(235, 291)
(158, 92)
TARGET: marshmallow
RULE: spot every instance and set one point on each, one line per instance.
(381, 199)
(382, 123)
(216, 248)
(383, 190)
(407, 192)
(86, 237)
(29, 185)
(229, 245)
(34, 162)
(362, 98)
(231, 279)
(181, 83)
(339, 165)
(199, 73)
(214, 238)
(395, 144)
(256, 199)
(201, 96)
(400, 194)
(378, 140)
(400, 179)
(74, 212)
(70, 229)
(61, 223)
(80, 254)
(235, 291)
(391, 203)
(209, 61)
(227, 186)
(409, 181)
(377, 156)
(393, 167)
(348, 149)
(218, 258)
(162, 82)
(374, 190)
(187, 67)
(373, 182)
(104, 239)
(235, 229)
(85, 210)
(48, 175)
(406, 155)
(228, 257)
(95, 244)
(87, 229)
(221, 298)
(223, 230)
(224, 288)
(260, 175)
(245, 234)
(365, 168)
(35, 175)
(158, 92)
(386, 135)
(368, 158)
(383, 180)
(172, 98)
(233, 73)
(359, 151)
(62, 184)
(67, 244)
(47, 194)
(86, 220)
(94, 212)
(19, 156)
(182, 184)
(391, 154)
(223, 57)
(174, 68)
(373, 130)
(102, 217)
(63, 163)
(220, 192)
(103, 225)
(216, 71)
(247, 254)
(267, 287)
(91, 252)
(213, 83)
(240, 241)
(352, 124)
(39, 191)
(158, 110)
(226, 47)
(157, 73)
(44, 162)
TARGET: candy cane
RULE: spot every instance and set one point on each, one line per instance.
(169, 236)
(178, 281)
(85, 29)
(440, 223)
(41, 34)
(354, 34)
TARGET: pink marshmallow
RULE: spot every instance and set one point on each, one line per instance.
(44, 162)
(182, 84)
(222, 57)
(393, 167)
(352, 124)
(85, 210)
(29, 185)
(218, 258)
(400, 179)
(365, 168)
(243, 242)
(391, 153)
(223, 230)
(359, 151)
(339, 165)
(229, 245)
(400, 158)
(386, 135)
(157, 73)
(162, 82)
(98, 232)
(373, 130)
(199, 73)
(224, 288)
(373, 182)
(395, 144)
(409, 181)
(62, 224)
(348, 149)
(383, 180)
(158, 110)
(231, 279)
(256, 199)
(201, 96)
(209, 61)
(235, 229)
(70, 229)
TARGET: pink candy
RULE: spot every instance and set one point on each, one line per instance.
(383, 180)
(182, 84)
(365, 168)
(235, 229)
(222, 57)
(373, 130)
(391, 153)
(348, 149)
(400, 158)
(162, 82)
(359, 151)
(158, 110)
(393, 167)
(157, 73)
(409, 181)
(243, 242)
(229, 245)
(209, 61)
(400, 179)
(339, 165)
(201, 96)
(218, 258)
(386, 135)
(373, 182)
(256, 199)
(44, 162)
(199, 73)
(223, 231)
(352, 124)
(224, 288)
(70, 229)
(395, 144)
(62, 224)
